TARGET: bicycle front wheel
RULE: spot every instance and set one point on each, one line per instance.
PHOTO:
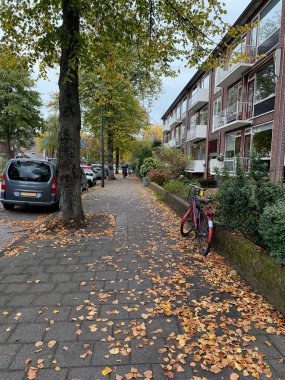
(187, 224)
(203, 235)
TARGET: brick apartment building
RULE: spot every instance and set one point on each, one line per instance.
(226, 112)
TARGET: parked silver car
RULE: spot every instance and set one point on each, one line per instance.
(31, 183)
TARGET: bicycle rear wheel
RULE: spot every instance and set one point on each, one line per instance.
(203, 235)
(187, 224)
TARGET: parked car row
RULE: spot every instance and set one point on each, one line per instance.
(33, 182)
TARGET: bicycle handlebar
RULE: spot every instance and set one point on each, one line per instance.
(196, 187)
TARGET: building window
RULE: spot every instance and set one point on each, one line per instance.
(270, 19)
(265, 83)
(184, 108)
(262, 137)
(205, 81)
(217, 108)
(204, 116)
(216, 89)
(233, 145)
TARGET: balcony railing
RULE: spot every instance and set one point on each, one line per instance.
(196, 166)
(231, 164)
(232, 117)
(197, 132)
(215, 165)
(170, 143)
(239, 61)
(199, 99)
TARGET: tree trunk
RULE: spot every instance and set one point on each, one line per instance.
(110, 154)
(69, 118)
(8, 146)
(117, 160)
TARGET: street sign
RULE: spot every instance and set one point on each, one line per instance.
(44, 142)
(82, 144)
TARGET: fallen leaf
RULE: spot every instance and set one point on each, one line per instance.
(106, 371)
(32, 373)
(114, 351)
(148, 374)
(234, 376)
(51, 343)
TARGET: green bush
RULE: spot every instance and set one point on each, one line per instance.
(160, 175)
(272, 230)
(149, 164)
(235, 202)
(176, 187)
(140, 151)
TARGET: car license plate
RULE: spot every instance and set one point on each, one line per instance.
(25, 194)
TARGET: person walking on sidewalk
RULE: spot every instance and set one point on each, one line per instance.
(124, 167)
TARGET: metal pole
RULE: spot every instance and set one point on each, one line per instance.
(102, 139)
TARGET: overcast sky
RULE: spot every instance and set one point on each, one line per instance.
(171, 86)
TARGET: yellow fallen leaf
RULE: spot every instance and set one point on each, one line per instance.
(51, 343)
(106, 371)
(234, 376)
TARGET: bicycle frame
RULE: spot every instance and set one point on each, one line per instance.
(199, 213)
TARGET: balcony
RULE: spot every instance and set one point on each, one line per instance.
(240, 61)
(166, 127)
(196, 166)
(214, 165)
(233, 117)
(170, 144)
(199, 99)
(197, 132)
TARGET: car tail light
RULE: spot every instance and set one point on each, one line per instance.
(53, 185)
(3, 184)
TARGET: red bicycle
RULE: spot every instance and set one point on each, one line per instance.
(197, 223)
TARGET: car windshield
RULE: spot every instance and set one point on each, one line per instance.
(87, 170)
(29, 171)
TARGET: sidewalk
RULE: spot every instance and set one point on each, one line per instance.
(131, 300)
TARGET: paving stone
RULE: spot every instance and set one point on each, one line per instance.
(7, 355)
(22, 300)
(47, 315)
(51, 374)
(90, 373)
(42, 288)
(278, 367)
(147, 353)
(29, 351)
(75, 298)
(102, 356)
(48, 299)
(12, 375)
(60, 277)
(71, 357)
(279, 342)
(28, 332)
(62, 331)
(23, 315)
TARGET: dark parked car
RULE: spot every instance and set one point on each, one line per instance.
(30, 182)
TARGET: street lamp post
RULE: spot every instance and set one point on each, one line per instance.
(102, 139)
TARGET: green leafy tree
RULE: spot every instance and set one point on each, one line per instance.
(20, 118)
(72, 31)
(124, 117)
